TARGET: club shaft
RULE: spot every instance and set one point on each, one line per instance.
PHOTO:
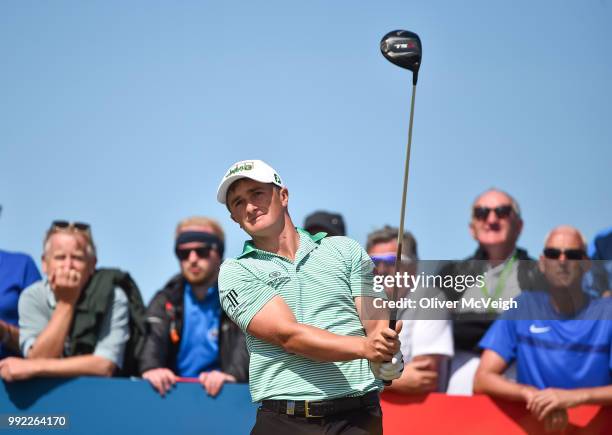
(400, 234)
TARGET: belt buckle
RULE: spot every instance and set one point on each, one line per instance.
(290, 407)
(307, 410)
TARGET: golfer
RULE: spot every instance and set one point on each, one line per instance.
(315, 364)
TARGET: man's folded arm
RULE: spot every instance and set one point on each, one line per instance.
(82, 365)
(597, 395)
(490, 380)
(39, 338)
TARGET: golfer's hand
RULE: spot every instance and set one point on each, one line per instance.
(213, 381)
(65, 284)
(388, 371)
(161, 379)
(383, 344)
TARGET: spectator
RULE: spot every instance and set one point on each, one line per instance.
(598, 280)
(561, 362)
(325, 222)
(495, 225)
(189, 335)
(17, 271)
(426, 342)
(60, 334)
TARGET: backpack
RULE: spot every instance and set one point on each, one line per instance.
(95, 301)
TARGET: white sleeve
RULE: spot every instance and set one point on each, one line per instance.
(432, 337)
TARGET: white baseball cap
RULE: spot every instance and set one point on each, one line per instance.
(257, 170)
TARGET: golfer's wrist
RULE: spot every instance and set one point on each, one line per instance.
(362, 350)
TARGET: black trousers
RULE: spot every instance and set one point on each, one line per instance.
(361, 421)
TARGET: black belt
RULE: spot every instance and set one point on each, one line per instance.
(321, 408)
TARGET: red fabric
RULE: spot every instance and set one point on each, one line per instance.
(441, 414)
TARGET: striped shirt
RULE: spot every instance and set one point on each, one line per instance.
(319, 287)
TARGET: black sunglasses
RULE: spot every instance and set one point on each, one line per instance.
(202, 252)
(482, 213)
(64, 225)
(570, 254)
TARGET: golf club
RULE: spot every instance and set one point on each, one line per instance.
(404, 49)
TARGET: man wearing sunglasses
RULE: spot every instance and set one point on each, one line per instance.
(189, 335)
(70, 325)
(426, 337)
(560, 339)
(495, 225)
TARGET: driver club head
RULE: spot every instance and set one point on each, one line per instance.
(403, 48)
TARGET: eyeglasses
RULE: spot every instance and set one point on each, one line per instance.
(389, 259)
(482, 213)
(570, 254)
(202, 252)
(66, 225)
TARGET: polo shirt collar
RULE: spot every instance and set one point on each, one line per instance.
(51, 301)
(308, 242)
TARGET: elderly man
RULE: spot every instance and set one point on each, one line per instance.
(66, 327)
(560, 338)
(495, 225)
(299, 298)
(426, 337)
(189, 334)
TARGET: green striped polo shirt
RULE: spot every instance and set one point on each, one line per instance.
(319, 287)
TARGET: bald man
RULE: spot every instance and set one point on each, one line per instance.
(561, 363)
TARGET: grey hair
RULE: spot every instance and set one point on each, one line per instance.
(90, 249)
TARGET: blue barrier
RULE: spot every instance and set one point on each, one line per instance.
(126, 406)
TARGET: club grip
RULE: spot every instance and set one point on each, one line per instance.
(392, 323)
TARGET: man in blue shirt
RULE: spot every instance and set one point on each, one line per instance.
(561, 339)
(598, 280)
(189, 334)
(17, 271)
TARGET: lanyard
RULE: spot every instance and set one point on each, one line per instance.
(501, 282)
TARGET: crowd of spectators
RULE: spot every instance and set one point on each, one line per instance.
(553, 352)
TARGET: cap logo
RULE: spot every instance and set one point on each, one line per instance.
(244, 166)
(277, 179)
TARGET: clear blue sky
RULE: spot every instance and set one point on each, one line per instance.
(126, 115)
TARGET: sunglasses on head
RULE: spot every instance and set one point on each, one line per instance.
(570, 254)
(202, 252)
(482, 213)
(66, 225)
